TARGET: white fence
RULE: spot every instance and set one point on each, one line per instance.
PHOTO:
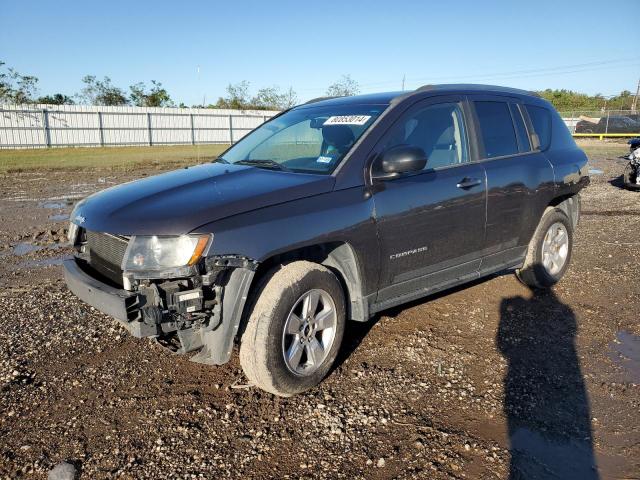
(42, 126)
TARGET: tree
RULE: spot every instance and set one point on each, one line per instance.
(102, 92)
(56, 99)
(344, 87)
(156, 96)
(270, 98)
(567, 100)
(237, 97)
(16, 88)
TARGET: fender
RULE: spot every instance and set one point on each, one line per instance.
(340, 217)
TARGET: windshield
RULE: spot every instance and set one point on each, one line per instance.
(307, 139)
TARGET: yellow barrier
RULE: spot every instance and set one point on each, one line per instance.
(602, 136)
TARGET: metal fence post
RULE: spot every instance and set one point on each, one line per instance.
(193, 133)
(45, 126)
(231, 129)
(149, 129)
(100, 130)
(264, 118)
(606, 128)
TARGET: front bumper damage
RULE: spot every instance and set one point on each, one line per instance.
(198, 314)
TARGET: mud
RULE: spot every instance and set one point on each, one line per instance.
(488, 380)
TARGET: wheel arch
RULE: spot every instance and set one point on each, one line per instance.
(339, 257)
(569, 204)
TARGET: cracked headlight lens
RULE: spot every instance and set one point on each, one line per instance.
(156, 253)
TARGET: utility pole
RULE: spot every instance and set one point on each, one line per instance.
(635, 99)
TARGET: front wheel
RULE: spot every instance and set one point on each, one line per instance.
(294, 329)
(549, 251)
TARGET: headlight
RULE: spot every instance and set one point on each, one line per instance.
(155, 253)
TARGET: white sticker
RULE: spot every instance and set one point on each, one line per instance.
(323, 159)
(347, 120)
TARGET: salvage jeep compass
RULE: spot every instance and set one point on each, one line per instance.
(332, 210)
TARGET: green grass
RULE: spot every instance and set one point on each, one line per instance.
(125, 158)
(603, 149)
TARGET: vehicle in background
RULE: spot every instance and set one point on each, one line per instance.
(611, 124)
(334, 210)
(631, 174)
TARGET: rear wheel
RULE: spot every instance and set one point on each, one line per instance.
(549, 251)
(294, 330)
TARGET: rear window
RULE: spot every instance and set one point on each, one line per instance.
(541, 120)
(496, 127)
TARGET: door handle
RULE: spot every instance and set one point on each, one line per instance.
(467, 182)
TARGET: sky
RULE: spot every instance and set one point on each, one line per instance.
(196, 48)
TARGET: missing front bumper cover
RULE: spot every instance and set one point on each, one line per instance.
(212, 331)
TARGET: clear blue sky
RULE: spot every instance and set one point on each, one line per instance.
(587, 45)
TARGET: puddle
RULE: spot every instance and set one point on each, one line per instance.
(625, 352)
(595, 171)
(45, 262)
(23, 248)
(535, 456)
(53, 205)
(59, 217)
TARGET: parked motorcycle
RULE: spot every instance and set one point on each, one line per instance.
(631, 175)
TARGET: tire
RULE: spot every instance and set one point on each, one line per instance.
(280, 300)
(538, 270)
(629, 178)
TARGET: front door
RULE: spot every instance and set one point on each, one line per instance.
(431, 223)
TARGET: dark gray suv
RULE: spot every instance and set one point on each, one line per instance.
(333, 210)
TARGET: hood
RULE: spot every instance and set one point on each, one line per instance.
(177, 202)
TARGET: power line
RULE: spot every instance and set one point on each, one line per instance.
(525, 73)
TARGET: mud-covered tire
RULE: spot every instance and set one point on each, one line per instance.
(533, 273)
(628, 178)
(262, 345)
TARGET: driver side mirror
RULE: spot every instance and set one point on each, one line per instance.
(398, 160)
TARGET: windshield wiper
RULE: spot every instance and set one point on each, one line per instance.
(263, 164)
(219, 160)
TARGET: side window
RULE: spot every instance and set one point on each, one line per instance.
(541, 120)
(523, 136)
(437, 129)
(496, 127)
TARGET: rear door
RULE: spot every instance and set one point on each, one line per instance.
(519, 178)
(431, 223)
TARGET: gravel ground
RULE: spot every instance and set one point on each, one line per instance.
(483, 381)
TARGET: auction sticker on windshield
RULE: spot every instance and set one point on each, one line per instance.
(347, 120)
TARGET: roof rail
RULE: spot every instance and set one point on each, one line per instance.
(476, 87)
(319, 99)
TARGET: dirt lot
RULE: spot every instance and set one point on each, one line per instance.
(486, 381)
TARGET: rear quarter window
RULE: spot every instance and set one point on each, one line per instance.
(496, 128)
(541, 120)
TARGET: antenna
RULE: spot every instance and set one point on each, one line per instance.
(403, 79)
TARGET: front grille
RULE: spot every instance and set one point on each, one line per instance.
(106, 252)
